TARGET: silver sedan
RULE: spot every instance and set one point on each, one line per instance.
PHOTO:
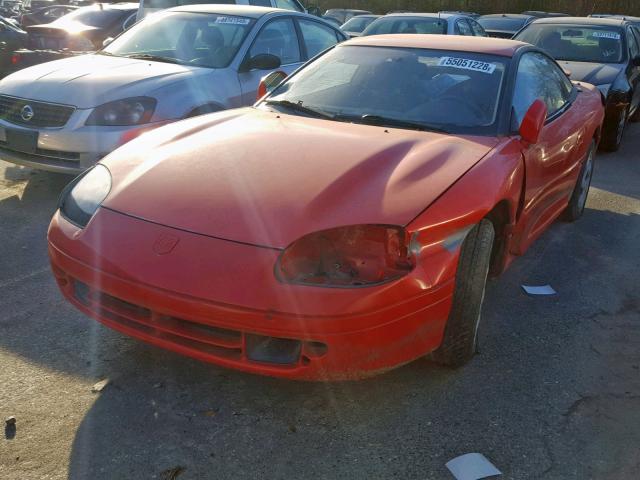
(65, 115)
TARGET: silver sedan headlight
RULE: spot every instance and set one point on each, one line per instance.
(129, 111)
(80, 200)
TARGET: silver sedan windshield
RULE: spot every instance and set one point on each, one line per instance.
(199, 39)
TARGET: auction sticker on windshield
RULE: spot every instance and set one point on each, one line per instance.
(233, 20)
(467, 64)
(612, 35)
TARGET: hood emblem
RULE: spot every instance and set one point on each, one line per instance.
(26, 113)
(165, 243)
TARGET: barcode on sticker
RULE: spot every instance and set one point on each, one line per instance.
(467, 64)
(233, 20)
(612, 35)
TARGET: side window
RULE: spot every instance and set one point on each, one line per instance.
(463, 28)
(539, 78)
(634, 50)
(478, 31)
(260, 3)
(316, 37)
(288, 5)
(129, 22)
(278, 38)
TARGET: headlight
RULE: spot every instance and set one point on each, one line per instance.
(350, 256)
(604, 89)
(80, 200)
(130, 111)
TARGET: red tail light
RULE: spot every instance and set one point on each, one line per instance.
(350, 256)
(15, 59)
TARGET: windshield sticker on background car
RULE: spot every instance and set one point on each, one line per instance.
(612, 35)
(467, 64)
(233, 20)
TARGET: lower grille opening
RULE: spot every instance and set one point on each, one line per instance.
(281, 351)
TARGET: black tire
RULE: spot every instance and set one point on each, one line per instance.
(578, 199)
(612, 136)
(460, 335)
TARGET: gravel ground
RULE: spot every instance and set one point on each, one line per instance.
(553, 394)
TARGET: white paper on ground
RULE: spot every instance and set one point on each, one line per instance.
(541, 290)
(472, 466)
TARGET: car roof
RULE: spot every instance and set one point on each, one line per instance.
(425, 15)
(241, 10)
(607, 22)
(615, 17)
(508, 15)
(487, 45)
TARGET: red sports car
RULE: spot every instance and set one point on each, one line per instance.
(346, 223)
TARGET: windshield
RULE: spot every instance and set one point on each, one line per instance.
(577, 43)
(357, 24)
(453, 91)
(386, 25)
(506, 24)
(94, 17)
(200, 39)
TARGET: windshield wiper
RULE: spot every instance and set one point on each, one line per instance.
(371, 119)
(299, 107)
(153, 58)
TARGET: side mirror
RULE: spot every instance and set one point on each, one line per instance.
(270, 82)
(107, 41)
(533, 122)
(263, 61)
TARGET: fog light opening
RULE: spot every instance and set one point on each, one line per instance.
(315, 349)
(281, 351)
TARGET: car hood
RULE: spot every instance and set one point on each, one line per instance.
(87, 81)
(69, 28)
(594, 73)
(267, 178)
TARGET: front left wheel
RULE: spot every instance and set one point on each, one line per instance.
(578, 199)
(461, 332)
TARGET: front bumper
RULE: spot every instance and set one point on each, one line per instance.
(70, 149)
(222, 317)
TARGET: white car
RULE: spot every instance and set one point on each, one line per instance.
(66, 115)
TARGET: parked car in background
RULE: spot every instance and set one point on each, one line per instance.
(504, 25)
(600, 51)
(336, 23)
(11, 38)
(9, 8)
(151, 6)
(356, 25)
(401, 170)
(429, 23)
(44, 15)
(473, 15)
(633, 20)
(344, 14)
(541, 14)
(81, 31)
(33, 5)
(65, 115)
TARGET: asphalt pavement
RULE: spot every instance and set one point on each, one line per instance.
(553, 394)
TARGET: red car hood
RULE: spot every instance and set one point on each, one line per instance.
(267, 179)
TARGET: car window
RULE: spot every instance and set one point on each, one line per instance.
(578, 43)
(129, 22)
(463, 28)
(386, 25)
(456, 91)
(260, 3)
(634, 50)
(199, 39)
(478, 31)
(278, 37)
(316, 37)
(288, 5)
(357, 24)
(539, 77)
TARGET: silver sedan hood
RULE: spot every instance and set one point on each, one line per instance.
(87, 81)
